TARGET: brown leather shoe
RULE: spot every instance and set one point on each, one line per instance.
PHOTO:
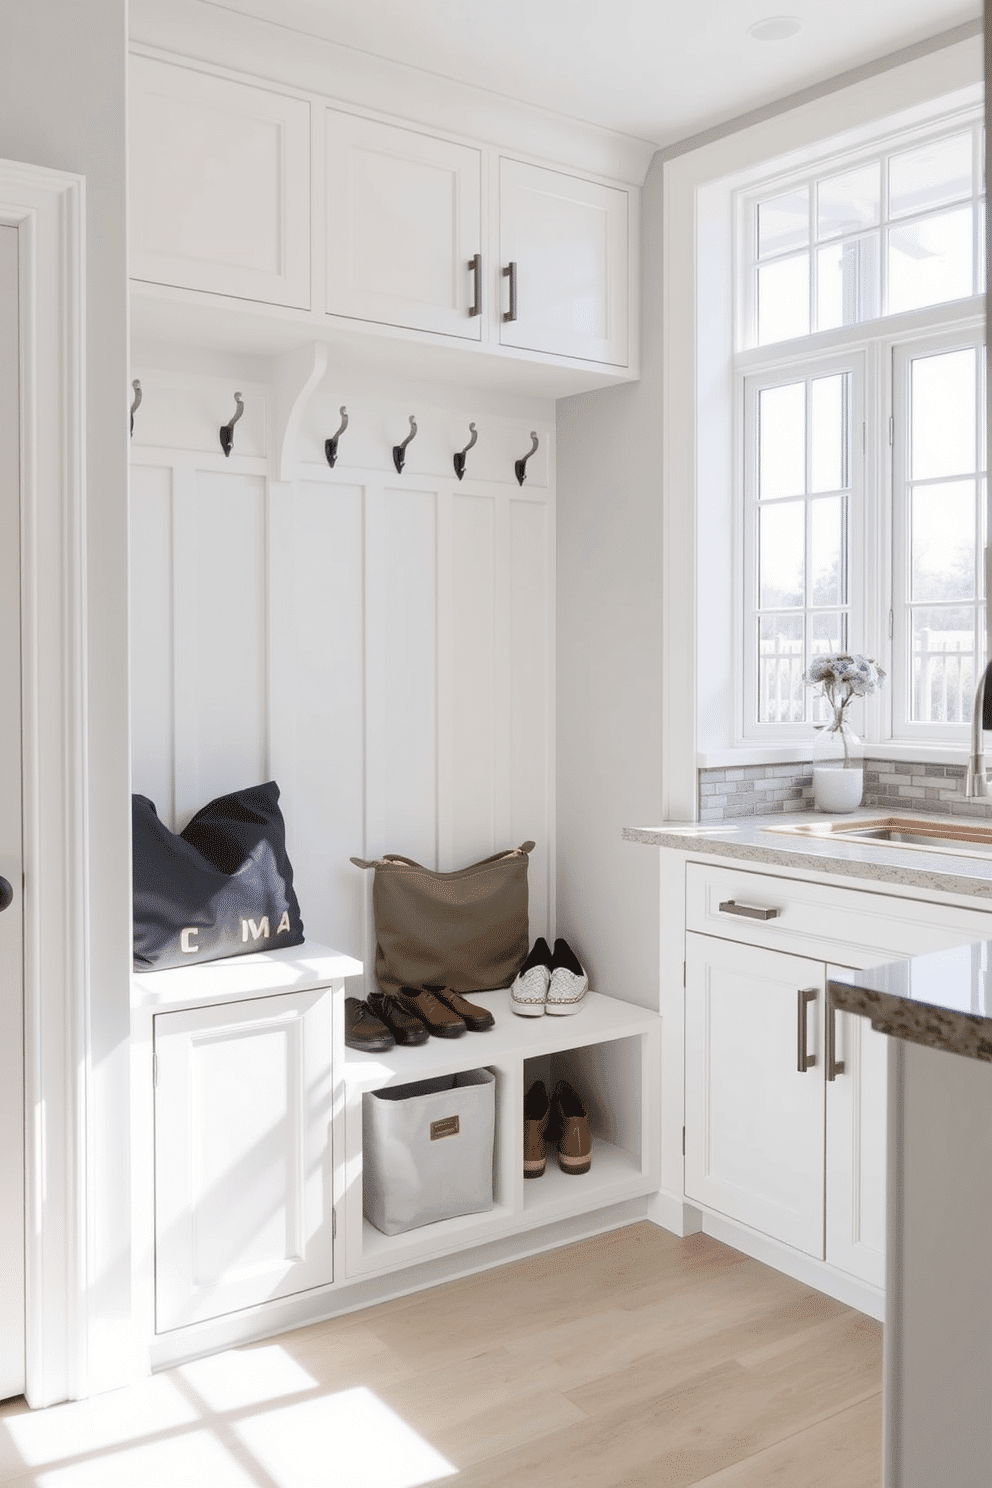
(405, 1028)
(363, 1030)
(537, 1111)
(476, 1018)
(574, 1138)
(436, 1017)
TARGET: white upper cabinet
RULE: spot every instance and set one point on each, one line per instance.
(564, 252)
(220, 185)
(404, 226)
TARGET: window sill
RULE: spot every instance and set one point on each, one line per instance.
(801, 753)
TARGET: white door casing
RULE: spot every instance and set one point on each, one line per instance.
(11, 935)
(46, 208)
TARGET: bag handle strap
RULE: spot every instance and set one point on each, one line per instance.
(524, 848)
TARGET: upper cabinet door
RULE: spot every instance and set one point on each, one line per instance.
(403, 225)
(220, 185)
(564, 260)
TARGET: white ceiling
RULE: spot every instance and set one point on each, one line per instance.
(659, 70)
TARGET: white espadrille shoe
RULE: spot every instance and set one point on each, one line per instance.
(530, 986)
(568, 983)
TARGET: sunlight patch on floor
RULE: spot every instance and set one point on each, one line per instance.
(194, 1459)
(84, 1426)
(365, 1443)
(232, 1381)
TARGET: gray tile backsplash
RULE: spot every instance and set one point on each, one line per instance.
(763, 790)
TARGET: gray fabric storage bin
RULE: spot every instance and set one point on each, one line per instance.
(428, 1150)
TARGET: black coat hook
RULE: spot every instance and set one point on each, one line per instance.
(136, 385)
(331, 445)
(459, 457)
(520, 466)
(399, 450)
(227, 430)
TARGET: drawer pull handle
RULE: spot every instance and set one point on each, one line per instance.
(805, 1061)
(835, 1066)
(748, 911)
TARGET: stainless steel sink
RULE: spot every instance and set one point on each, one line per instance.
(934, 834)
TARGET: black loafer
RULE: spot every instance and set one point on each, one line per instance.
(363, 1030)
(405, 1028)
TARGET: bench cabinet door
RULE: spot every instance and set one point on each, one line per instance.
(243, 1173)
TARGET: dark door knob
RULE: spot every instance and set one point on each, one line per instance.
(6, 893)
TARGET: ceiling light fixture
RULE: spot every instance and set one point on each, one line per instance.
(775, 28)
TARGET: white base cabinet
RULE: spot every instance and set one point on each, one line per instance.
(247, 1177)
(795, 1155)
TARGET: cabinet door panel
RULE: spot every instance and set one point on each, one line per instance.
(569, 241)
(219, 185)
(403, 223)
(242, 1155)
(856, 1150)
(754, 1123)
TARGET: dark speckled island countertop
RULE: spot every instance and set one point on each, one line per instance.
(942, 999)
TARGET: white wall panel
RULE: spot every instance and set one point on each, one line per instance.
(317, 699)
(379, 645)
(401, 685)
(470, 786)
(221, 642)
(152, 630)
(532, 692)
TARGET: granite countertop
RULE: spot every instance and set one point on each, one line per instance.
(942, 1000)
(950, 870)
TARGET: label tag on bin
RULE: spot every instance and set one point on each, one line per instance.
(446, 1127)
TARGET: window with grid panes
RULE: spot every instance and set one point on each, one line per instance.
(861, 385)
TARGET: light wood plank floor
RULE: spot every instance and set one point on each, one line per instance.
(631, 1358)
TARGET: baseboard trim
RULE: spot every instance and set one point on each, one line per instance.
(670, 1212)
(273, 1318)
(860, 1295)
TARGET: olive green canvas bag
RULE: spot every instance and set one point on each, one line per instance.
(466, 930)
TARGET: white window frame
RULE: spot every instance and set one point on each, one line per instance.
(700, 590)
(749, 385)
(963, 332)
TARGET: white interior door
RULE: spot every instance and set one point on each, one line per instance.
(11, 932)
(754, 1118)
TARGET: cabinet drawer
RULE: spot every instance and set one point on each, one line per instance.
(852, 926)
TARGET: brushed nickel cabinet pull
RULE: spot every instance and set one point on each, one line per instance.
(510, 272)
(475, 264)
(835, 1066)
(805, 1061)
(748, 911)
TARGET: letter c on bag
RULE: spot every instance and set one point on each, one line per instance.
(187, 940)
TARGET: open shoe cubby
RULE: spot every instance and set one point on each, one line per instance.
(608, 1051)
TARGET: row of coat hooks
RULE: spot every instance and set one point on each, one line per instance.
(331, 444)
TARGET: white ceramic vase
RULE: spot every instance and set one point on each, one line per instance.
(838, 769)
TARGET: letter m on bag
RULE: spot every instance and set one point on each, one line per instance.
(258, 932)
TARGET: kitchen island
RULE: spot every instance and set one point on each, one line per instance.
(937, 1009)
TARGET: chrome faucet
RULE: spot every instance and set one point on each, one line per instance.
(976, 781)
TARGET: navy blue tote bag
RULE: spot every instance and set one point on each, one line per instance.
(222, 887)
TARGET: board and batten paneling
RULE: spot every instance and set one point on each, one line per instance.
(381, 645)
